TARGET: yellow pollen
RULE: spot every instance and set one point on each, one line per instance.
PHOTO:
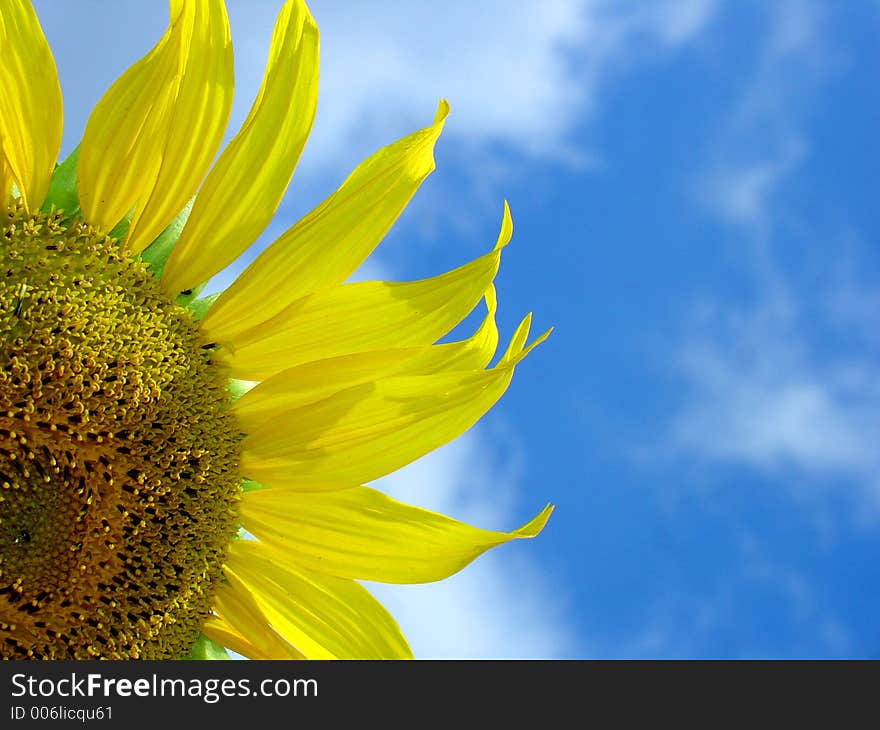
(118, 453)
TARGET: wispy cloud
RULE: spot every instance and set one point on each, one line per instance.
(762, 386)
(719, 619)
(761, 391)
(761, 141)
(524, 76)
(779, 381)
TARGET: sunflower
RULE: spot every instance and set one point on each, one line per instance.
(182, 474)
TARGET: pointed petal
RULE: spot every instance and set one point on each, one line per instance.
(31, 113)
(322, 616)
(370, 430)
(242, 192)
(327, 245)
(359, 317)
(151, 138)
(314, 381)
(360, 533)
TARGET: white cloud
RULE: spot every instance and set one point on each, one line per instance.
(742, 192)
(761, 394)
(523, 75)
(501, 606)
(763, 389)
(789, 385)
(761, 142)
(504, 69)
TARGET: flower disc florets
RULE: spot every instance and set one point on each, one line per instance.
(118, 453)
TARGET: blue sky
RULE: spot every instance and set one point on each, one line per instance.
(692, 184)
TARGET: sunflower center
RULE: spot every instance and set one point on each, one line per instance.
(118, 454)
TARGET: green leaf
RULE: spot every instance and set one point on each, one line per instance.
(157, 253)
(204, 648)
(62, 188)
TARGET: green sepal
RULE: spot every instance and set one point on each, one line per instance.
(200, 307)
(62, 193)
(204, 648)
(156, 254)
(185, 298)
(120, 230)
(237, 388)
(249, 485)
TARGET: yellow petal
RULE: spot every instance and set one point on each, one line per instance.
(151, 138)
(367, 431)
(5, 178)
(322, 616)
(31, 112)
(314, 381)
(359, 317)
(242, 192)
(328, 244)
(238, 624)
(360, 533)
(221, 632)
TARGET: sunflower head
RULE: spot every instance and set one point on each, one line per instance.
(118, 452)
(130, 453)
